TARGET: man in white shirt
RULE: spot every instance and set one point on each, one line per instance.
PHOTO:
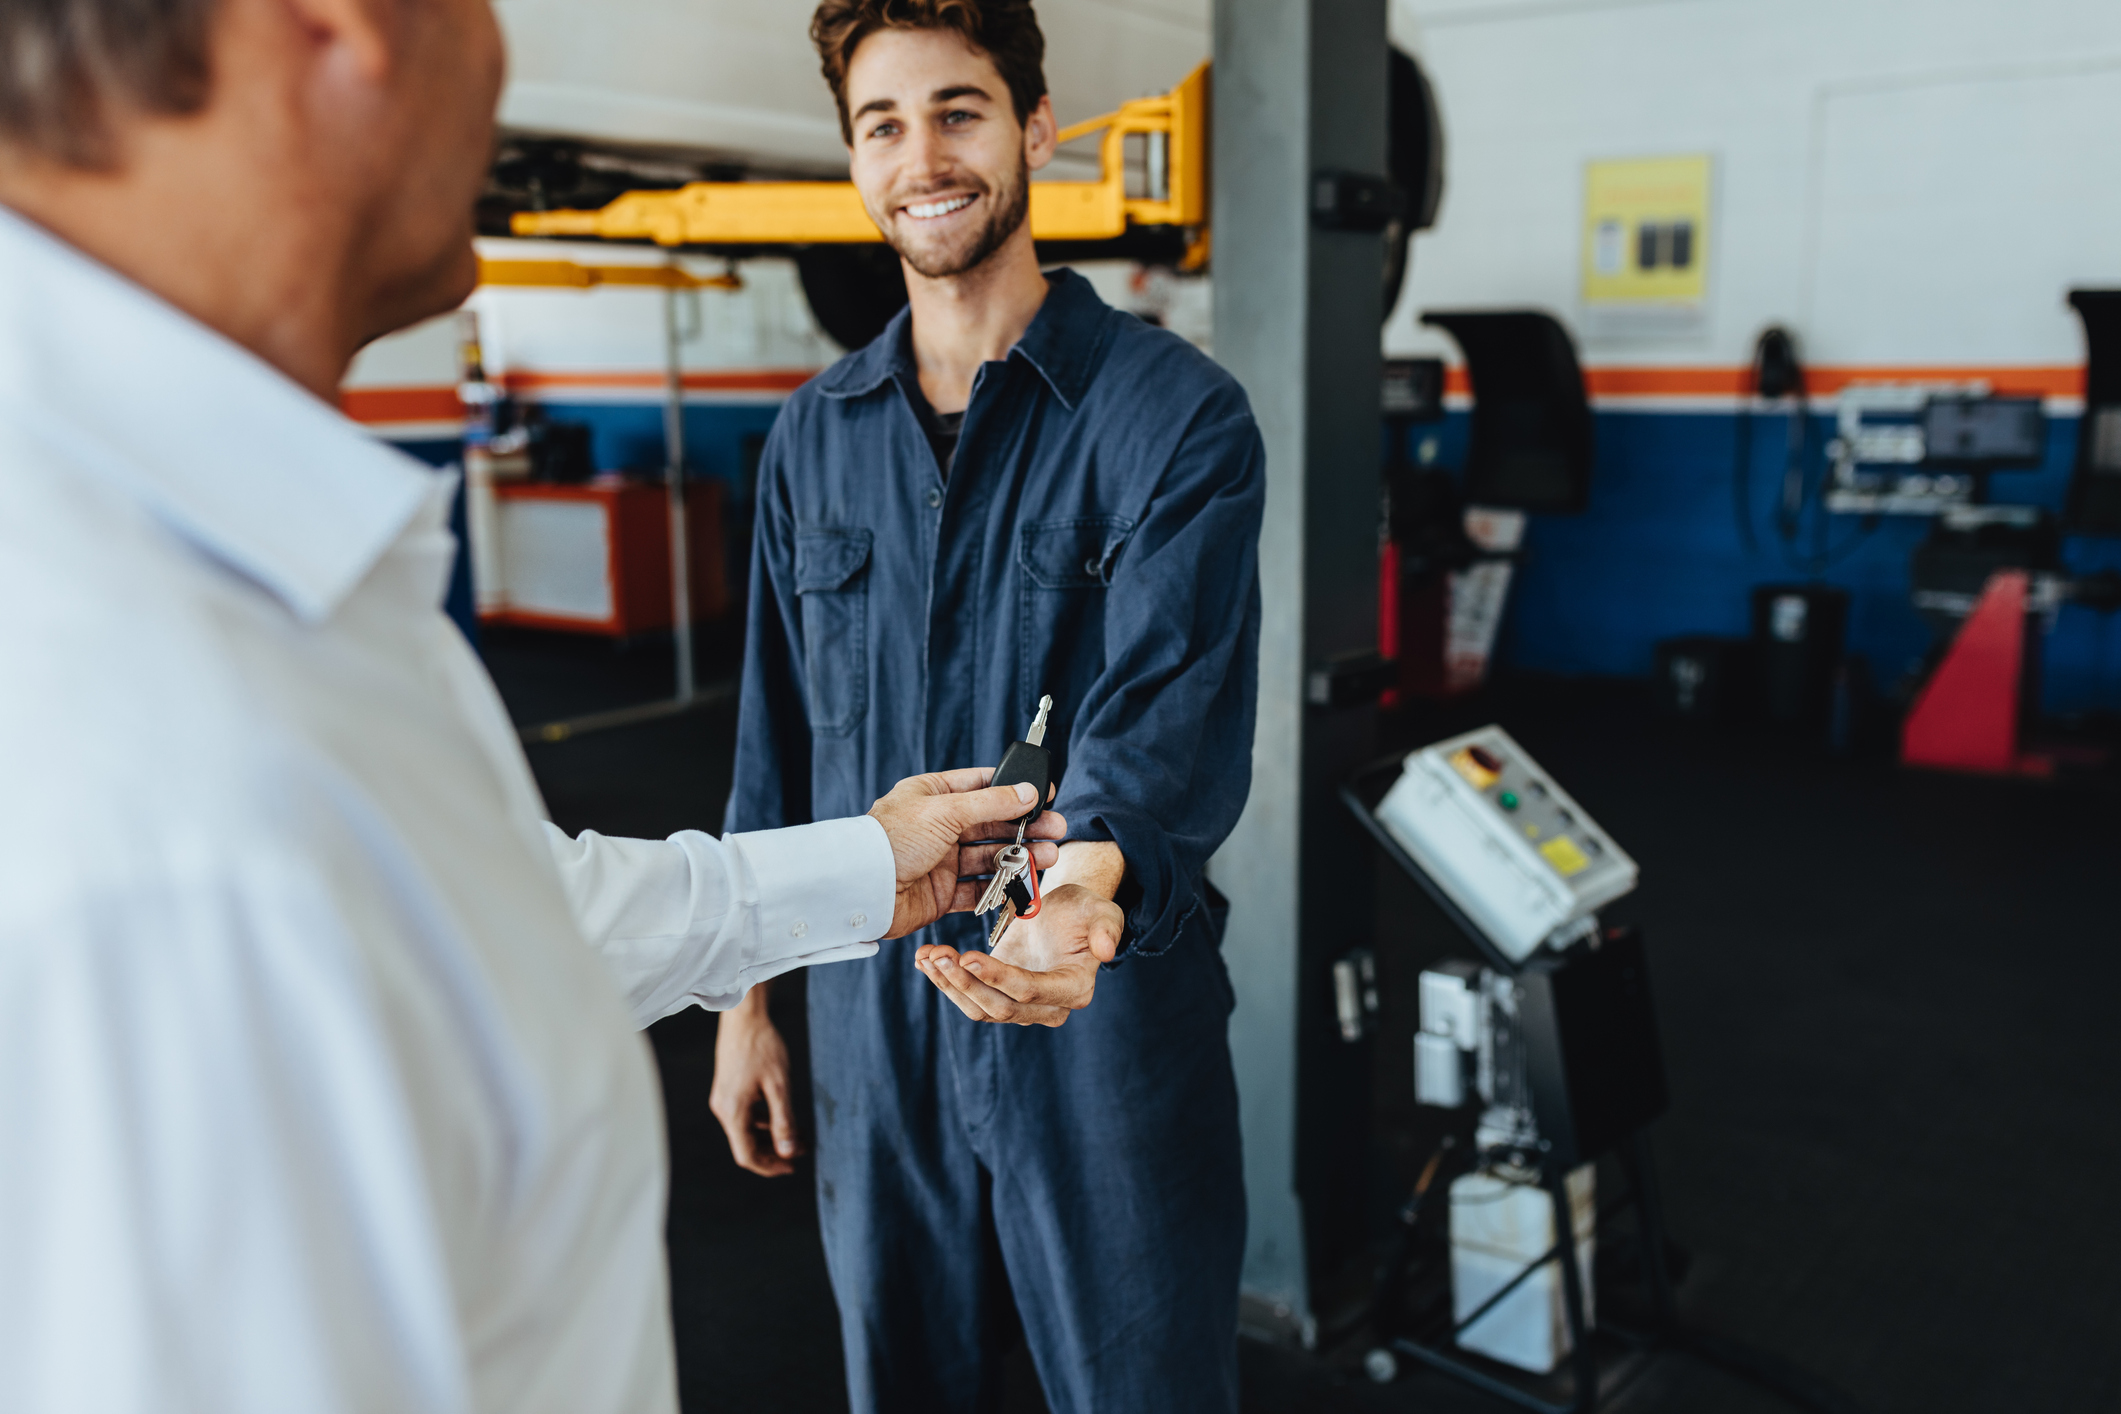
(312, 1097)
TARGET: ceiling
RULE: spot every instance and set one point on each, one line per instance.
(737, 80)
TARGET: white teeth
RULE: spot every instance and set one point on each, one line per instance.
(931, 209)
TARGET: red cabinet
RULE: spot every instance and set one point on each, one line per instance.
(593, 558)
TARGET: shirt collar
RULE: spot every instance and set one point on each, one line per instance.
(218, 445)
(1064, 343)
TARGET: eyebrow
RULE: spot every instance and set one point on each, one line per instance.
(941, 95)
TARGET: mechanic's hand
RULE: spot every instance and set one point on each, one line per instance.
(1045, 967)
(933, 822)
(750, 1068)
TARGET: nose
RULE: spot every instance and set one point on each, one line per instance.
(926, 158)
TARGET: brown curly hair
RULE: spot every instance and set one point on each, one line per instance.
(1006, 31)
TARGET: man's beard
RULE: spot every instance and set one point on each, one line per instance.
(1011, 206)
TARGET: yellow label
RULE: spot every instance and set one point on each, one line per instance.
(1562, 853)
(1646, 231)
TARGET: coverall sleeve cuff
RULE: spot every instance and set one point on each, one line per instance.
(1146, 895)
(818, 886)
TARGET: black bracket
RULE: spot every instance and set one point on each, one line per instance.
(1353, 201)
(1350, 679)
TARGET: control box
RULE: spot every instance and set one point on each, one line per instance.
(1504, 842)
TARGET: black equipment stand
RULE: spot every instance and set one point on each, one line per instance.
(1593, 1131)
(1590, 1384)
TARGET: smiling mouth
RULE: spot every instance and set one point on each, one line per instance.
(930, 210)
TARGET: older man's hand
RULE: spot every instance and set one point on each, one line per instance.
(945, 828)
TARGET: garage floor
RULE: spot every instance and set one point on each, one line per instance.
(1888, 1007)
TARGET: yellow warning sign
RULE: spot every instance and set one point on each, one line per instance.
(1646, 231)
(1562, 853)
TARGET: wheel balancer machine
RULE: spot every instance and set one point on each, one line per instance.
(1552, 1035)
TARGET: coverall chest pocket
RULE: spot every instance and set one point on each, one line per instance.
(1067, 566)
(832, 585)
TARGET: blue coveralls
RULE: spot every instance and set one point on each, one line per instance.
(1097, 540)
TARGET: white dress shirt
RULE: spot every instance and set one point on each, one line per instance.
(312, 1097)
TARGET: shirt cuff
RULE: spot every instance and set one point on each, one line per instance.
(819, 886)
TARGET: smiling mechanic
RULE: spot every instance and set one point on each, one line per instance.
(1015, 490)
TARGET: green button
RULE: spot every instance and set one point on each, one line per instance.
(1507, 800)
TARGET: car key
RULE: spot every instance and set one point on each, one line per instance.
(1028, 760)
(1014, 889)
(1010, 862)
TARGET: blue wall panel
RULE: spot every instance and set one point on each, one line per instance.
(457, 600)
(1659, 553)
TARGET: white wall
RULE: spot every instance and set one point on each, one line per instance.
(1904, 182)
(423, 356)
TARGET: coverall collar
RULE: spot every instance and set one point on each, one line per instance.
(1064, 344)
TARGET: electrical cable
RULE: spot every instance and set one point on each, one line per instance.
(1826, 557)
(1775, 375)
(1742, 476)
(1796, 489)
(1802, 504)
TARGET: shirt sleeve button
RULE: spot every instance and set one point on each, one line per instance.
(856, 920)
(798, 929)
(1093, 565)
(935, 497)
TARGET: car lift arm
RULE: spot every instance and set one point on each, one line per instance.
(1173, 128)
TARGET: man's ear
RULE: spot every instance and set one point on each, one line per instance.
(1039, 133)
(365, 33)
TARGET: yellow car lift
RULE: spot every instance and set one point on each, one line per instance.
(568, 275)
(1173, 129)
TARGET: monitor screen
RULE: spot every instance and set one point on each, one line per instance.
(1984, 431)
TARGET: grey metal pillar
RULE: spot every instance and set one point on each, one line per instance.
(1299, 89)
(674, 488)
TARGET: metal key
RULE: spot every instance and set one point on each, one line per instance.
(1010, 862)
(1019, 899)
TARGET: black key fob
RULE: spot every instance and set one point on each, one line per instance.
(1025, 762)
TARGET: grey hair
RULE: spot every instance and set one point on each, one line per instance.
(67, 65)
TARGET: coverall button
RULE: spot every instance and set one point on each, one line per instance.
(1093, 565)
(798, 928)
(935, 496)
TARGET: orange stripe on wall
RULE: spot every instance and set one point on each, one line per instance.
(401, 404)
(440, 404)
(760, 380)
(1666, 382)
(2043, 380)
(2047, 381)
